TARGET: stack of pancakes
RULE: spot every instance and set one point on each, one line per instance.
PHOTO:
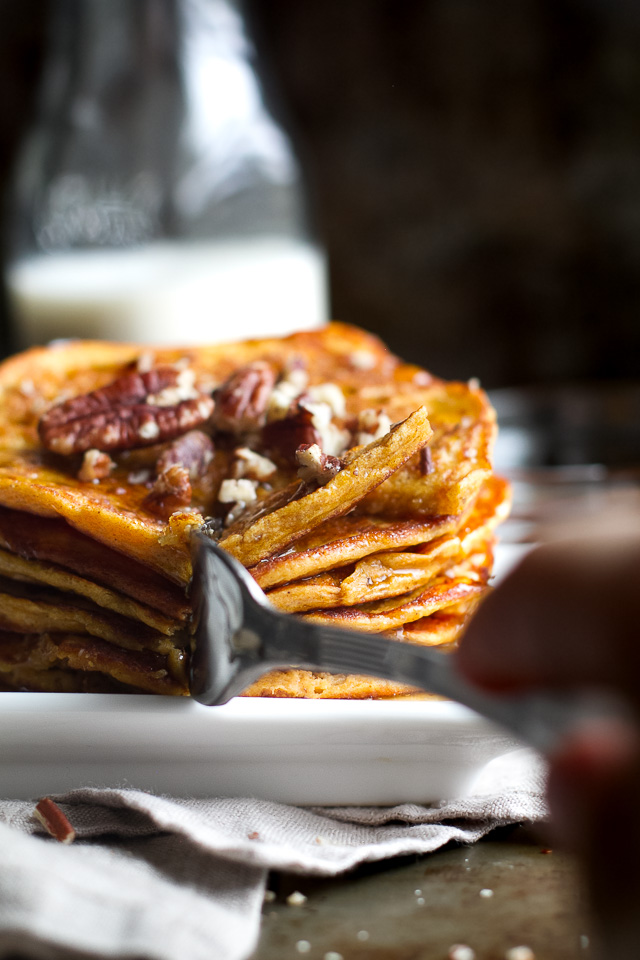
(357, 489)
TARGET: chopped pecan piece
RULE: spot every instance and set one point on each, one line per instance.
(332, 437)
(170, 492)
(193, 451)
(283, 437)
(250, 464)
(237, 491)
(287, 390)
(332, 395)
(265, 505)
(54, 820)
(316, 465)
(426, 461)
(96, 465)
(118, 416)
(372, 424)
(362, 359)
(242, 400)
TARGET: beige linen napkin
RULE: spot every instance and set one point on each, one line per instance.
(168, 879)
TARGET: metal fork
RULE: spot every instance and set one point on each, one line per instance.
(238, 636)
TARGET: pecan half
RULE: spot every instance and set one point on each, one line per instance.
(242, 400)
(54, 820)
(170, 492)
(118, 417)
(282, 438)
(316, 465)
(193, 451)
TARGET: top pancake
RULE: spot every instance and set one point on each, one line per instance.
(112, 511)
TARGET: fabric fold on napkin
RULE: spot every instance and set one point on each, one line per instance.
(174, 879)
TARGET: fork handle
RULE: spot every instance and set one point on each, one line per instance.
(538, 719)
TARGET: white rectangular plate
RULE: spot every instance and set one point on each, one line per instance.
(293, 751)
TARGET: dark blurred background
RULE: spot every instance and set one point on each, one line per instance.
(475, 168)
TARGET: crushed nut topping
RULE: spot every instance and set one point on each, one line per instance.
(96, 465)
(362, 360)
(333, 439)
(250, 464)
(234, 491)
(332, 395)
(287, 390)
(316, 465)
(170, 492)
(372, 424)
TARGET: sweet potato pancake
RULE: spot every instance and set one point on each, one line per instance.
(356, 488)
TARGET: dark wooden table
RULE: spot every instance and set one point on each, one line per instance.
(416, 908)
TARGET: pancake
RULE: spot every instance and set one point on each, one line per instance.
(61, 662)
(384, 616)
(356, 488)
(17, 568)
(373, 578)
(346, 540)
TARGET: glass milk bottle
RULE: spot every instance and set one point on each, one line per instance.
(157, 199)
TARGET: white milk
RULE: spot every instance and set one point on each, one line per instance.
(170, 293)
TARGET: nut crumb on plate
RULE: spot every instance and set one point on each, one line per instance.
(460, 951)
(296, 899)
